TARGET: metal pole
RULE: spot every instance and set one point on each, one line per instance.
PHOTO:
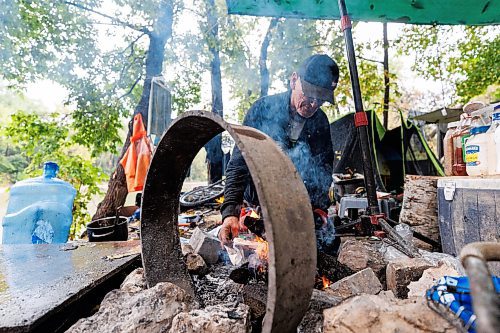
(360, 119)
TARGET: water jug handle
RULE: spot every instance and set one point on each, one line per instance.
(50, 169)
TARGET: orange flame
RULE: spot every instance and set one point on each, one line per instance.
(262, 249)
(326, 282)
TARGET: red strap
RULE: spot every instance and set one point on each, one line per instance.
(360, 119)
(345, 22)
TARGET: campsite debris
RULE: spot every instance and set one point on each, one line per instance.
(135, 250)
(186, 249)
(195, 264)
(401, 272)
(68, 247)
(384, 313)
(205, 245)
(362, 282)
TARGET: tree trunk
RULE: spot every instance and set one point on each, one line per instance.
(213, 147)
(117, 185)
(386, 77)
(264, 72)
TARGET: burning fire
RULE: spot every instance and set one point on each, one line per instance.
(262, 249)
(326, 282)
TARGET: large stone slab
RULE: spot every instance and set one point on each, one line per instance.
(384, 313)
(149, 310)
(362, 282)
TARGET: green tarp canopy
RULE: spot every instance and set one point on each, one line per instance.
(464, 12)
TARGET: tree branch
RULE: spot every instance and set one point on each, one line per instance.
(131, 88)
(371, 60)
(113, 19)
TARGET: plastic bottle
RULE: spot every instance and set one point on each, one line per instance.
(459, 168)
(448, 148)
(495, 134)
(477, 152)
(39, 210)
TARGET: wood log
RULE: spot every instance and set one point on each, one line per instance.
(419, 209)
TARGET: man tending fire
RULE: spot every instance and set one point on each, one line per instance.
(295, 121)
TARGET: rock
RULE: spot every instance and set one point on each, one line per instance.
(401, 272)
(134, 282)
(186, 249)
(213, 319)
(384, 313)
(358, 255)
(205, 245)
(429, 278)
(362, 282)
(313, 318)
(195, 264)
(255, 296)
(150, 310)
(329, 267)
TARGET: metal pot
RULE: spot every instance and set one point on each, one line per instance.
(107, 229)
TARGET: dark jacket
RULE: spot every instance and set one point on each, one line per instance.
(312, 154)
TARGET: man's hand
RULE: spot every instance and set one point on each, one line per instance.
(230, 229)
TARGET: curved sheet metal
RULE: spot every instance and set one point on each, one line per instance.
(285, 206)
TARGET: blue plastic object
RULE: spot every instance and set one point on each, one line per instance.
(39, 210)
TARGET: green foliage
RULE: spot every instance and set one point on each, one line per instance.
(465, 58)
(44, 138)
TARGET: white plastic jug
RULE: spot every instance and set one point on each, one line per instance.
(478, 148)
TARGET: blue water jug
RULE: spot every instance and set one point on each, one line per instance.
(39, 210)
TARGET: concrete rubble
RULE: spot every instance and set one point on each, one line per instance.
(382, 292)
(362, 282)
(384, 313)
(195, 264)
(358, 255)
(213, 319)
(205, 245)
(149, 310)
(401, 272)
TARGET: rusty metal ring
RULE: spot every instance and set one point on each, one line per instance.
(285, 206)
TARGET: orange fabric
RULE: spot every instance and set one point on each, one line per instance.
(137, 158)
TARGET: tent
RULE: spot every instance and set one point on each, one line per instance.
(464, 12)
(396, 152)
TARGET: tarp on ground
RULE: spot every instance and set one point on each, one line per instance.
(397, 152)
(464, 12)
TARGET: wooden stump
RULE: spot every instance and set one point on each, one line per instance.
(419, 209)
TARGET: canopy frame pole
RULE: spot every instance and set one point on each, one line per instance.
(360, 118)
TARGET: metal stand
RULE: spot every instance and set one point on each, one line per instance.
(361, 123)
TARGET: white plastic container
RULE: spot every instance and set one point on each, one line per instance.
(478, 148)
(495, 130)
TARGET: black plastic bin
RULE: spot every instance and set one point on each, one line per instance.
(114, 228)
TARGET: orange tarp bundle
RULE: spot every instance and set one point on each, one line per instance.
(136, 160)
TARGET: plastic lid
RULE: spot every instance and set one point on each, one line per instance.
(479, 130)
(50, 169)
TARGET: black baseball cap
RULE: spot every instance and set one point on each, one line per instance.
(319, 75)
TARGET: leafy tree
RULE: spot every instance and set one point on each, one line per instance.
(465, 58)
(42, 138)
